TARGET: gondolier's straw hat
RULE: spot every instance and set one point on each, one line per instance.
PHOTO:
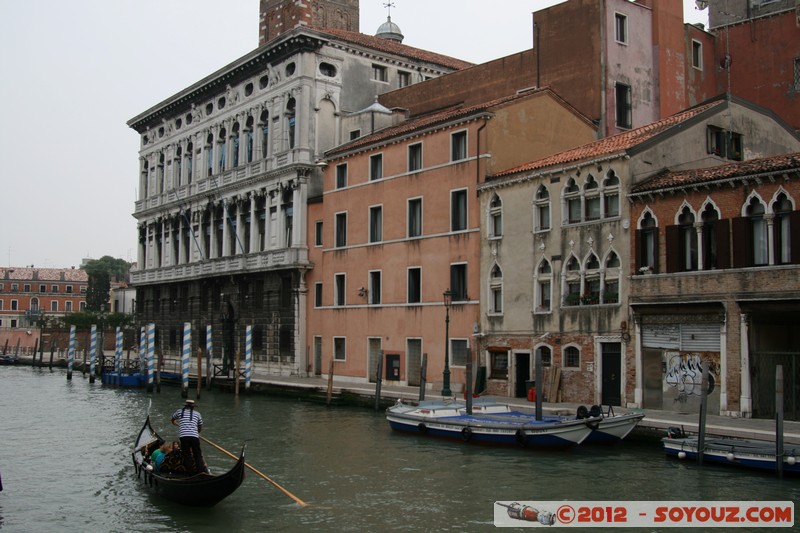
(189, 403)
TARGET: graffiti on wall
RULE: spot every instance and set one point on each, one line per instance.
(684, 373)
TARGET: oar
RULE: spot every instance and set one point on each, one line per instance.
(263, 476)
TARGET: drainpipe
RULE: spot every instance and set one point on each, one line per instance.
(603, 74)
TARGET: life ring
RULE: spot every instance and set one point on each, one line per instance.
(522, 438)
(466, 434)
(582, 412)
(422, 428)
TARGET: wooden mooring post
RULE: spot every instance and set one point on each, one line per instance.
(378, 381)
(423, 376)
(779, 420)
(701, 435)
(330, 383)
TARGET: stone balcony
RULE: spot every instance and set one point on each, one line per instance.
(239, 264)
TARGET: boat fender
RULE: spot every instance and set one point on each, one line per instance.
(522, 438)
(422, 428)
(466, 434)
(596, 410)
(582, 412)
(711, 384)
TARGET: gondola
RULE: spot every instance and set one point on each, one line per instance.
(195, 489)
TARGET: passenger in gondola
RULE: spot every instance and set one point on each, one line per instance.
(190, 424)
(165, 455)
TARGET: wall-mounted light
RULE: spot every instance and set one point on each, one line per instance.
(362, 291)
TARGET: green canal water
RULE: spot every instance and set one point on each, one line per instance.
(65, 466)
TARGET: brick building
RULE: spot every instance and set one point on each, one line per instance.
(723, 246)
(227, 166)
(563, 264)
(28, 294)
(398, 225)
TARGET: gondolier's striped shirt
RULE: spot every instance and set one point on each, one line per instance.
(189, 421)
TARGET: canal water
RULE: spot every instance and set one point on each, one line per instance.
(65, 466)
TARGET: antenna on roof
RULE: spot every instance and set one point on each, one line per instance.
(389, 5)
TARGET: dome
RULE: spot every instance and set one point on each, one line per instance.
(389, 30)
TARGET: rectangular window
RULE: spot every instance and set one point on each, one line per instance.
(340, 287)
(797, 74)
(54, 288)
(54, 305)
(355, 134)
(69, 289)
(414, 285)
(458, 282)
(376, 223)
(697, 55)
(318, 233)
(458, 146)
(339, 344)
(544, 296)
(341, 230)
(572, 357)
(42, 288)
(458, 210)
(403, 78)
(593, 208)
(499, 362)
(379, 73)
(14, 304)
(621, 28)
(496, 300)
(318, 294)
(27, 287)
(574, 210)
(724, 143)
(458, 352)
(415, 217)
(376, 167)
(414, 157)
(611, 205)
(375, 287)
(341, 176)
(624, 107)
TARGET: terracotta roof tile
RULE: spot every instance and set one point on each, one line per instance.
(44, 274)
(613, 144)
(393, 47)
(688, 178)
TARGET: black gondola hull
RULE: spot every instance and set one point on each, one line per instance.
(198, 490)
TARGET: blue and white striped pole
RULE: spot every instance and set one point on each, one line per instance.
(71, 352)
(118, 355)
(209, 348)
(151, 352)
(187, 354)
(93, 354)
(248, 357)
(142, 351)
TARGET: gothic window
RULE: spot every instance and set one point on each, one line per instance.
(611, 195)
(495, 217)
(544, 284)
(592, 199)
(647, 244)
(496, 291)
(572, 198)
(264, 123)
(290, 121)
(758, 232)
(782, 229)
(542, 209)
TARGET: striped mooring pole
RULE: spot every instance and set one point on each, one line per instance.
(186, 358)
(248, 357)
(142, 351)
(71, 352)
(118, 355)
(93, 354)
(209, 348)
(151, 352)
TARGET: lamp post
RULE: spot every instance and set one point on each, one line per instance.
(448, 299)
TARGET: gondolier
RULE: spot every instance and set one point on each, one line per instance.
(190, 424)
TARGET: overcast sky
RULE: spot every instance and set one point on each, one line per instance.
(74, 72)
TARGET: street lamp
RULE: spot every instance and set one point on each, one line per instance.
(448, 300)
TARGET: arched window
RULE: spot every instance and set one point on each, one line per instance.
(248, 140)
(572, 280)
(290, 121)
(235, 145)
(758, 232)
(496, 291)
(545, 355)
(710, 219)
(688, 240)
(592, 199)
(611, 195)
(591, 293)
(647, 244)
(264, 123)
(222, 149)
(572, 202)
(782, 228)
(542, 209)
(572, 357)
(611, 280)
(544, 285)
(495, 217)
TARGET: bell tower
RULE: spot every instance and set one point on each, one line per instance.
(279, 16)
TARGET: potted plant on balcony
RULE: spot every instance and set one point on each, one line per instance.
(572, 299)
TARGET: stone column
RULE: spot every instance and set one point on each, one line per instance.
(226, 229)
(253, 224)
(213, 227)
(299, 221)
(745, 399)
(638, 392)
(770, 219)
(239, 245)
(698, 226)
(267, 221)
(723, 365)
